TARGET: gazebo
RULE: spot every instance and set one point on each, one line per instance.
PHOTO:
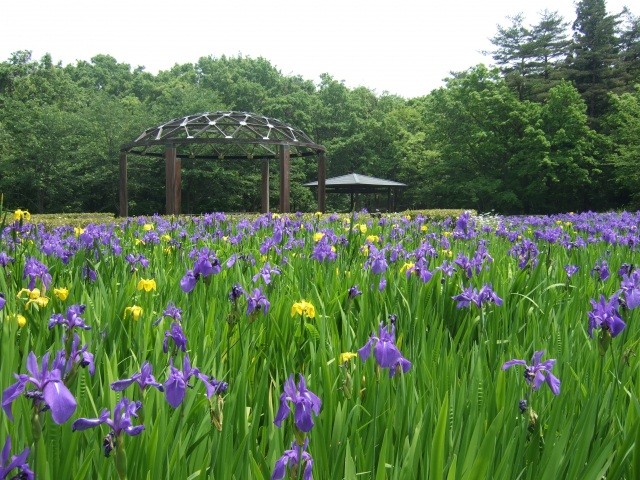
(223, 136)
(353, 183)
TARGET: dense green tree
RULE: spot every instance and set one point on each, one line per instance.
(570, 169)
(593, 62)
(630, 51)
(479, 128)
(623, 124)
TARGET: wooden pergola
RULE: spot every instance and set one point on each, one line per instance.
(223, 136)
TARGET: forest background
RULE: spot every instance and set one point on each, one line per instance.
(553, 127)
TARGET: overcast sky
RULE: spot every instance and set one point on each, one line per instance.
(404, 47)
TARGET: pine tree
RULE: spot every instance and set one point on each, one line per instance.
(593, 62)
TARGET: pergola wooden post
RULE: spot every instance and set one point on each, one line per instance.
(173, 181)
(265, 186)
(285, 187)
(322, 180)
(123, 211)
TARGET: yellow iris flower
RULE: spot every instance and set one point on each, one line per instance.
(318, 236)
(346, 356)
(303, 308)
(21, 215)
(148, 226)
(22, 321)
(135, 311)
(61, 293)
(34, 296)
(407, 266)
(147, 284)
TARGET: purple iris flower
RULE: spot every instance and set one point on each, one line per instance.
(144, 378)
(477, 297)
(605, 315)
(600, 270)
(377, 260)
(526, 252)
(305, 402)
(625, 269)
(5, 259)
(322, 250)
(176, 334)
(71, 320)
(122, 422)
(257, 301)
(135, 260)
(89, 273)
(571, 270)
(265, 272)
(188, 281)
(50, 392)
(538, 372)
(206, 263)
(77, 355)
(385, 350)
(36, 270)
(2, 301)
(292, 457)
(7, 463)
(236, 292)
(172, 312)
(354, 291)
(420, 269)
(630, 286)
(446, 268)
(176, 385)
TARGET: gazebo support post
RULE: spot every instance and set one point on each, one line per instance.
(265, 186)
(173, 181)
(284, 154)
(322, 180)
(123, 211)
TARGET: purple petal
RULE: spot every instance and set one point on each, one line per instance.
(120, 385)
(11, 393)
(535, 360)
(616, 325)
(365, 351)
(133, 431)
(85, 423)
(511, 363)
(283, 412)
(174, 390)
(386, 353)
(60, 400)
(554, 383)
(302, 417)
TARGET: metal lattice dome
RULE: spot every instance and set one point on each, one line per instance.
(224, 135)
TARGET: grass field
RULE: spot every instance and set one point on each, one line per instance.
(364, 346)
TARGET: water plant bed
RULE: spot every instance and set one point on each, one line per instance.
(384, 346)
